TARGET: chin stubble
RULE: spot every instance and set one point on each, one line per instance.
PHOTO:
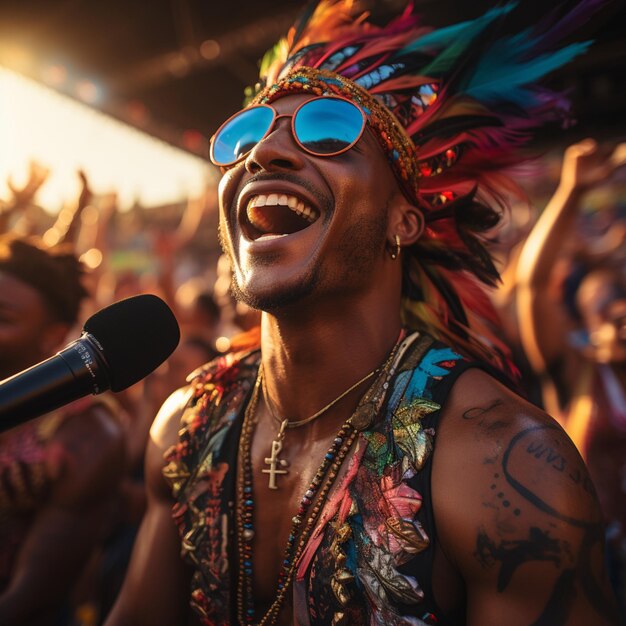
(271, 302)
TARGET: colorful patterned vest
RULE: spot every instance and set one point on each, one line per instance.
(378, 518)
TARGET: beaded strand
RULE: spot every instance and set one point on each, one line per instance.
(325, 476)
(336, 455)
(245, 508)
(313, 498)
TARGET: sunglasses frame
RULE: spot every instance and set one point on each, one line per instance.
(275, 117)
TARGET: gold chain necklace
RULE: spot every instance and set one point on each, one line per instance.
(279, 466)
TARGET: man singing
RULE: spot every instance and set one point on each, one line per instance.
(365, 461)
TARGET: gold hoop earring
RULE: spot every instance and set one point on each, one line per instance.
(396, 252)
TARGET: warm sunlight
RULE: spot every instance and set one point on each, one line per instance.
(37, 123)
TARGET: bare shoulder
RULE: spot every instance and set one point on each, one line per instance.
(95, 427)
(511, 447)
(164, 434)
(516, 511)
(93, 456)
(166, 425)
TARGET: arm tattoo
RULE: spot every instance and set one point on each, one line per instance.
(528, 451)
(529, 457)
(511, 554)
(479, 411)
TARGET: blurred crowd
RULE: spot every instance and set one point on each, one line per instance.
(71, 482)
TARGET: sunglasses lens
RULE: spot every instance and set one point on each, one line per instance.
(328, 125)
(240, 134)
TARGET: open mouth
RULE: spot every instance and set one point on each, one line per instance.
(277, 215)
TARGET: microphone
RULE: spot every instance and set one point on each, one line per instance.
(119, 345)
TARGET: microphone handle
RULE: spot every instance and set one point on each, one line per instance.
(73, 373)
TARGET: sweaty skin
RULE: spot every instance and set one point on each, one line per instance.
(525, 551)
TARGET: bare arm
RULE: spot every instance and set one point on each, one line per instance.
(168, 244)
(192, 216)
(156, 588)
(67, 225)
(70, 524)
(522, 527)
(22, 198)
(541, 318)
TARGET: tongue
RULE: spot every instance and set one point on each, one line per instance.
(276, 220)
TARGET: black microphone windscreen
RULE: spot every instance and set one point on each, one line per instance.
(136, 335)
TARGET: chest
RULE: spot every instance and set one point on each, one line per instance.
(368, 532)
(279, 497)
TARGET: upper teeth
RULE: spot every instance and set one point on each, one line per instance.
(295, 204)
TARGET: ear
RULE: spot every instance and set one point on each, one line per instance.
(405, 220)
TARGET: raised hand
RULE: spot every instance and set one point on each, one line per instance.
(37, 176)
(587, 165)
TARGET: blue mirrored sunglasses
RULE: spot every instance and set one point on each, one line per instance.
(324, 126)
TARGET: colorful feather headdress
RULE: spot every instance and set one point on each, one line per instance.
(457, 104)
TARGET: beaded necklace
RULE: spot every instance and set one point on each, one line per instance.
(303, 523)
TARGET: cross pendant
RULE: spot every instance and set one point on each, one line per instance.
(274, 462)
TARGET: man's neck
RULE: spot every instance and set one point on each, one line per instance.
(310, 360)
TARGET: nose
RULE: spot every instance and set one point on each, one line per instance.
(277, 151)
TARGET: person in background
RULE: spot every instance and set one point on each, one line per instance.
(582, 363)
(60, 472)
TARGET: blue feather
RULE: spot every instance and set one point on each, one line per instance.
(502, 74)
(450, 35)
